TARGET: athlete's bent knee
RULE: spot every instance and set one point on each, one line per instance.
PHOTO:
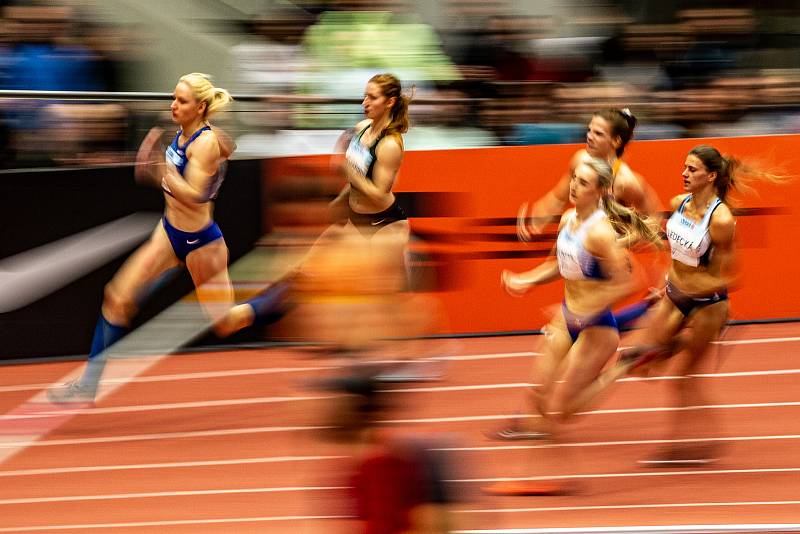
(117, 308)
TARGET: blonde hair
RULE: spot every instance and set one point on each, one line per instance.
(203, 90)
(625, 221)
(391, 88)
(732, 173)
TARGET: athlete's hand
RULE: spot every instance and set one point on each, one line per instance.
(523, 233)
(513, 284)
(165, 184)
(338, 211)
(654, 294)
(170, 174)
(149, 158)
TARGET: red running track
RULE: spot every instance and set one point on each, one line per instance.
(229, 442)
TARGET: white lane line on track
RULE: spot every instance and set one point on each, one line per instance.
(181, 376)
(750, 341)
(49, 412)
(256, 371)
(339, 488)
(270, 429)
(465, 357)
(468, 357)
(160, 494)
(695, 472)
(157, 436)
(647, 529)
(596, 412)
(650, 529)
(166, 465)
(218, 374)
(175, 522)
(298, 489)
(459, 388)
(431, 389)
(732, 374)
(755, 341)
(454, 419)
(170, 329)
(736, 374)
(618, 443)
(628, 506)
(265, 400)
(286, 459)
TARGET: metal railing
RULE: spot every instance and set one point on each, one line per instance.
(100, 127)
(107, 96)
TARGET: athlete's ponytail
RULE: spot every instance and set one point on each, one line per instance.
(731, 172)
(203, 90)
(398, 116)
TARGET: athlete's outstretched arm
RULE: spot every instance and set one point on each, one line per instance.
(338, 160)
(550, 205)
(517, 284)
(150, 159)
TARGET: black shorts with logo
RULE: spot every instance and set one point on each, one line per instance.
(690, 303)
(369, 223)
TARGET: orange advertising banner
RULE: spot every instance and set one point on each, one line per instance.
(463, 205)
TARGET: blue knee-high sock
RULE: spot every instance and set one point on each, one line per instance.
(105, 335)
(269, 304)
(629, 314)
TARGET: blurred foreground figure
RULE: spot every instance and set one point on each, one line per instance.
(351, 295)
(397, 484)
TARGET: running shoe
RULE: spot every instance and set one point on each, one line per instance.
(687, 456)
(71, 392)
(524, 488)
(413, 371)
(639, 356)
(513, 431)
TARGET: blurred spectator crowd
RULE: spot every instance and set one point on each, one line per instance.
(484, 72)
(49, 47)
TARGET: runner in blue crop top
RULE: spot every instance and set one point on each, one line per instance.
(607, 136)
(583, 337)
(190, 172)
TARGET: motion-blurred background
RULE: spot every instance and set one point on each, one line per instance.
(483, 73)
(491, 72)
